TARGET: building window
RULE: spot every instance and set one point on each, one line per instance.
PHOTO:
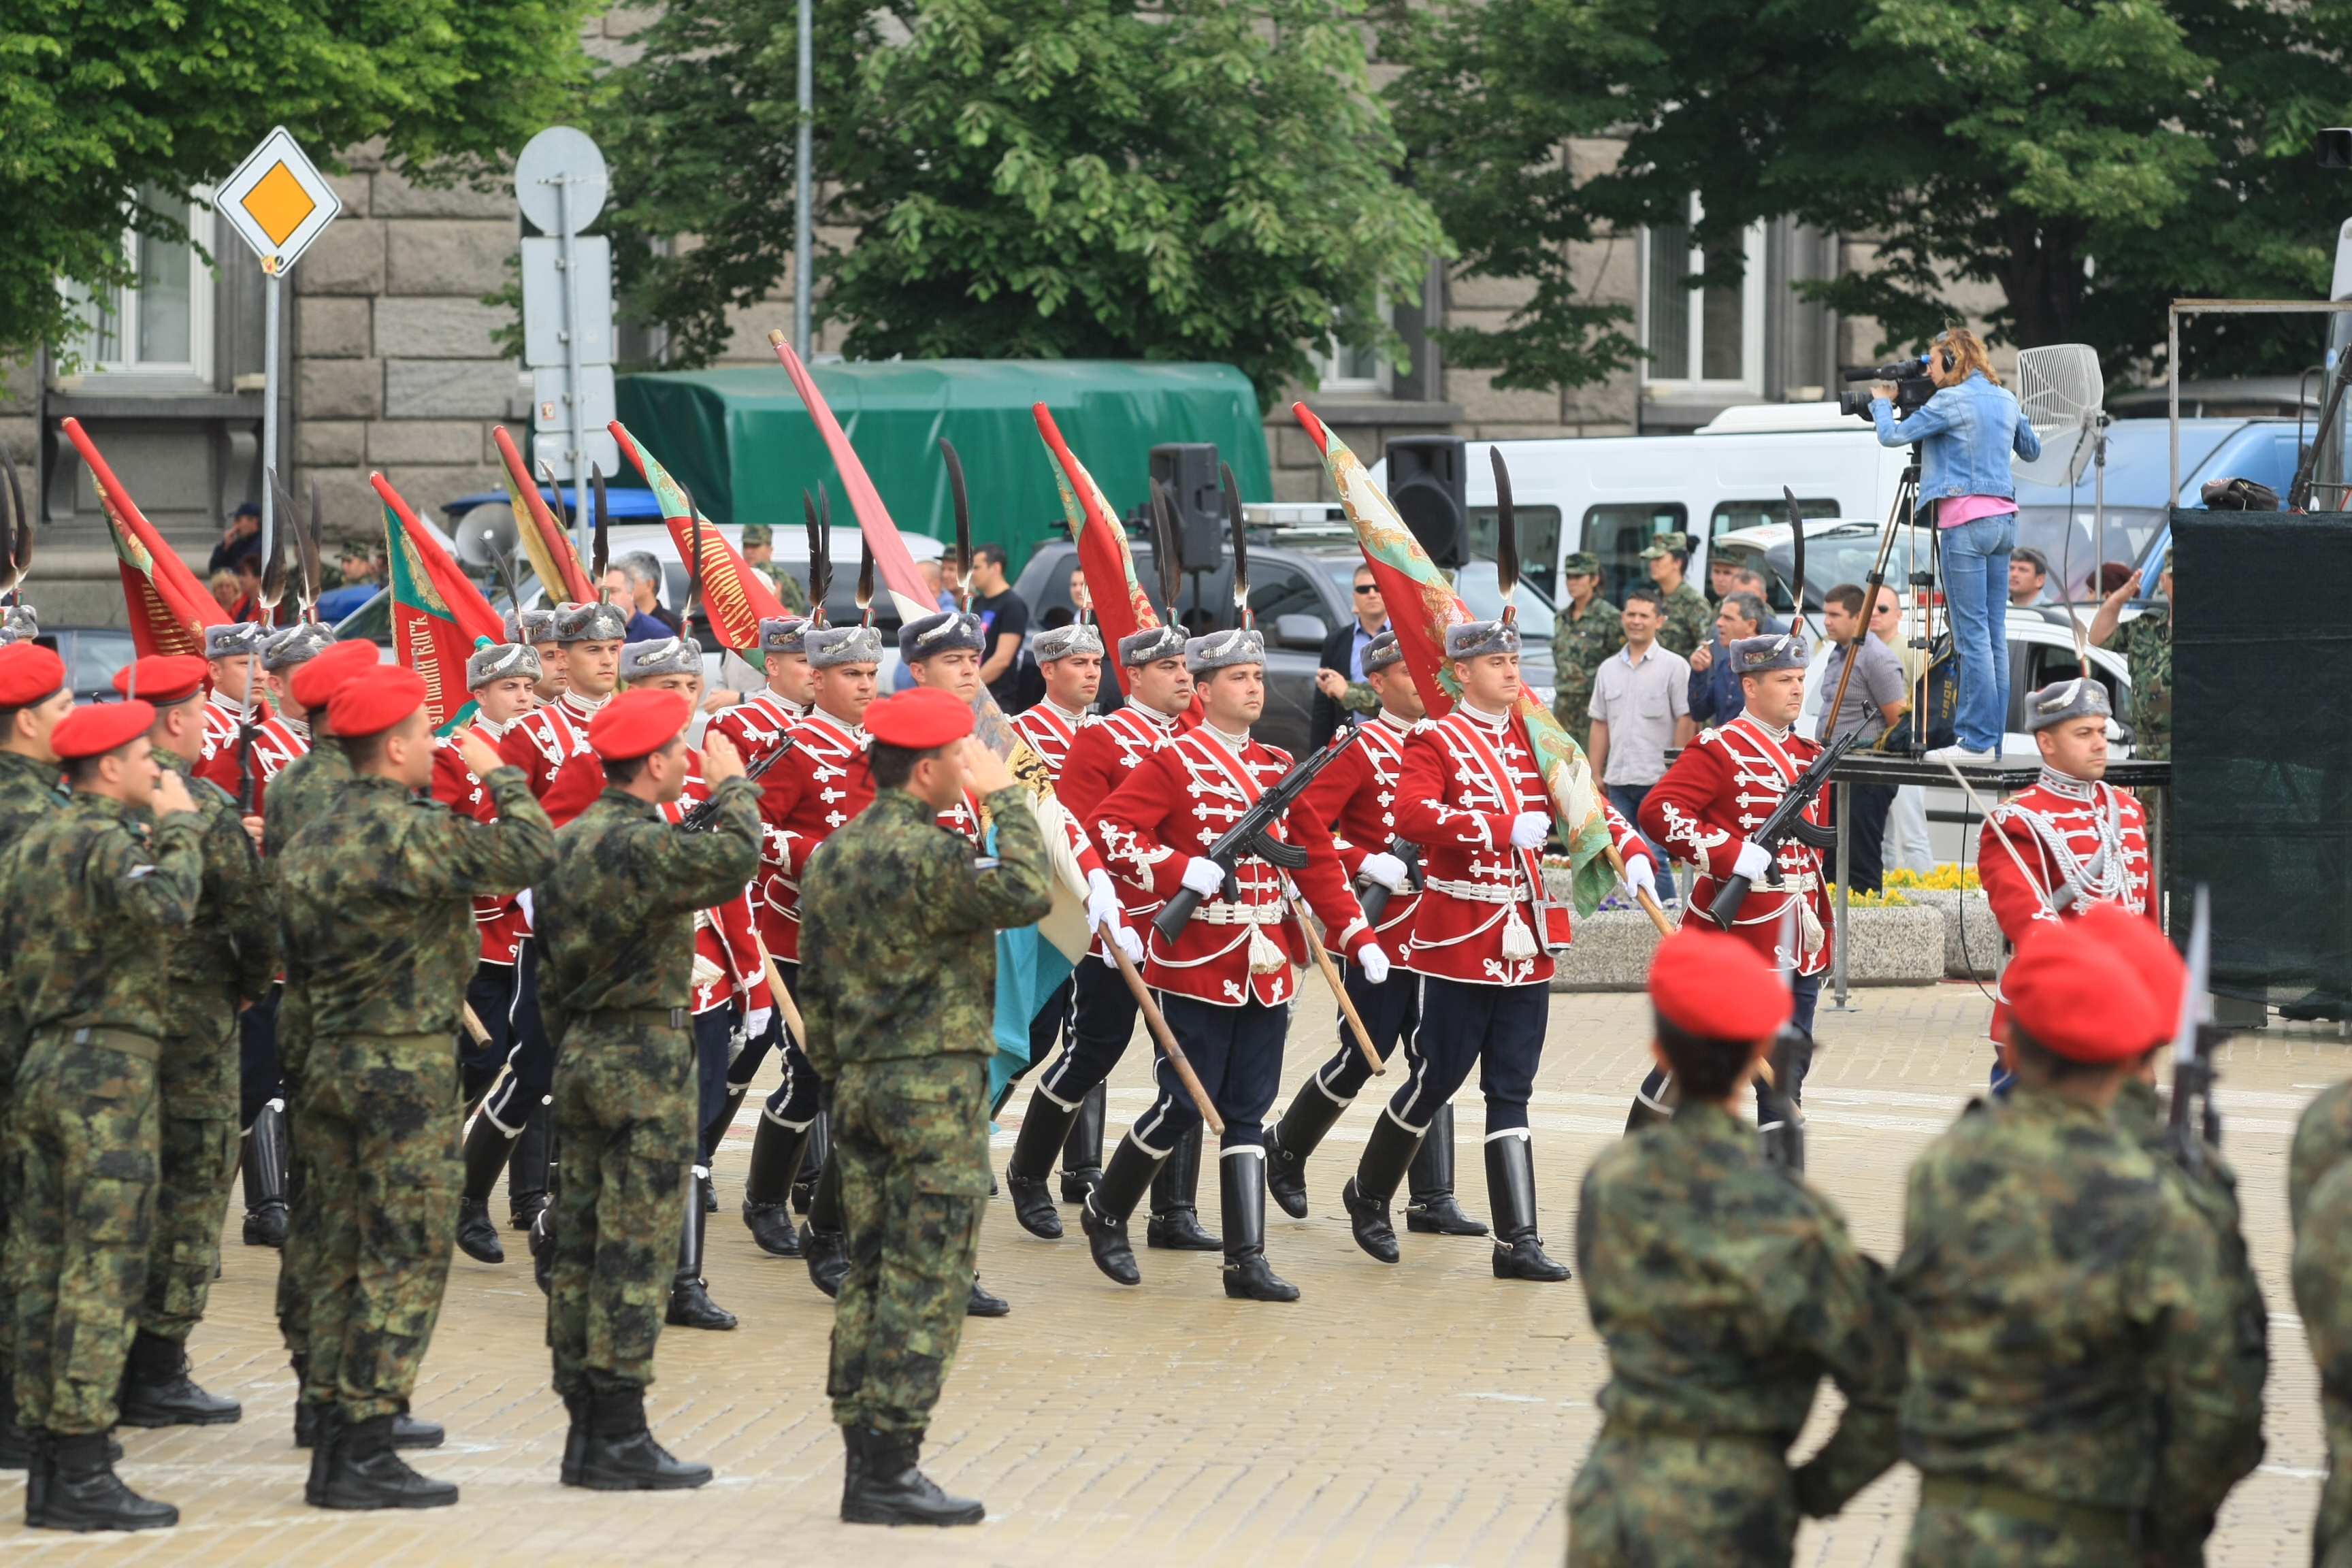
(1343, 370)
(162, 325)
(1700, 340)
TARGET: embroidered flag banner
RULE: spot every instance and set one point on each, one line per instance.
(553, 558)
(733, 594)
(437, 611)
(1102, 543)
(169, 609)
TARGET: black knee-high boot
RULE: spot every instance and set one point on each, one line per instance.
(1107, 1208)
(1045, 1126)
(486, 1150)
(1082, 1157)
(1241, 1181)
(824, 1244)
(690, 1306)
(1388, 1153)
(1313, 1113)
(265, 1177)
(1433, 1211)
(531, 1170)
(768, 1186)
(1175, 1221)
(1511, 1191)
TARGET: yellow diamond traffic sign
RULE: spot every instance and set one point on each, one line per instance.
(277, 201)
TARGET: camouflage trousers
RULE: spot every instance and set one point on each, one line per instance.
(2331, 1532)
(912, 1139)
(82, 1138)
(197, 1169)
(1946, 1536)
(1652, 1499)
(379, 1140)
(302, 1246)
(624, 1118)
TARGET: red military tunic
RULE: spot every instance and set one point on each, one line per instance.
(1103, 754)
(1176, 805)
(1483, 918)
(819, 784)
(1718, 792)
(501, 923)
(757, 725)
(276, 741)
(2083, 843)
(728, 965)
(549, 744)
(1357, 795)
(1049, 731)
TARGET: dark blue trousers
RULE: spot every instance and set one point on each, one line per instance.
(1388, 1011)
(260, 1079)
(714, 1036)
(490, 994)
(1236, 1052)
(531, 1055)
(1102, 1020)
(795, 1101)
(1499, 1029)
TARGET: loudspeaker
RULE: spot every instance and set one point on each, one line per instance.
(1189, 470)
(2335, 148)
(1431, 492)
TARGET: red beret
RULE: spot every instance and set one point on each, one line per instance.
(2078, 997)
(368, 705)
(638, 722)
(1717, 986)
(918, 719)
(30, 673)
(164, 677)
(98, 728)
(315, 680)
(2143, 947)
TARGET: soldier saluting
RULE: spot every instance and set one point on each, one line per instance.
(897, 946)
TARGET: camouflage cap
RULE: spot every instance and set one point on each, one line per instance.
(1667, 545)
(591, 623)
(1763, 655)
(19, 623)
(831, 647)
(1474, 639)
(660, 655)
(757, 533)
(236, 639)
(1383, 651)
(784, 634)
(1150, 645)
(533, 626)
(1078, 636)
(2062, 700)
(950, 631)
(1221, 650)
(297, 644)
(1580, 563)
(497, 660)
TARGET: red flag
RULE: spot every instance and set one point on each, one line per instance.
(437, 611)
(169, 609)
(543, 541)
(733, 594)
(892, 559)
(1120, 604)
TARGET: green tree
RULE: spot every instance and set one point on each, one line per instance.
(1036, 178)
(97, 103)
(2090, 158)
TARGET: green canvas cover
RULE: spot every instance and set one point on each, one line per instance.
(740, 441)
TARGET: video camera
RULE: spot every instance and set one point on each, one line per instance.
(1912, 387)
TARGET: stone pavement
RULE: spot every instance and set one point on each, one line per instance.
(1422, 1415)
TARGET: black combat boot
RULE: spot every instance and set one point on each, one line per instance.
(1045, 1128)
(575, 1437)
(620, 1455)
(530, 1169)
(1387, 1155)
(690, 1306)
(768, 1186)
(1175, 1193)
(1082, 1158)
(71, 1485)
(1241, 1179)
(813, 1162)
(1104, 1213)
(824, 1244)
(1312, 1115)
(981, 1304)
(1432, 1211)
(1511, 1193)
(265, 1177)
(158, 1392)
(361, 1471)
(16, 1446)
(488, 1148)
(880, 1485)
(1652, 1102)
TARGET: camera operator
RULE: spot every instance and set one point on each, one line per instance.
(1965, 431)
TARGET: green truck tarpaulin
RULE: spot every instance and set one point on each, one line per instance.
(740, 440)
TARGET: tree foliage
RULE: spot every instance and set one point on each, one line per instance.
(100, 102)
(2090, 158)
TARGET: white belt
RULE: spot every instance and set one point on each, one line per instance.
(1219, 913)
(1789, 882)
(1509, 892)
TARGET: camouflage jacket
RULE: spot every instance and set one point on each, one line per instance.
(616, 917)
(28, 791)
(2319, 1199)
(898, 926)
(1725, 1289)
(299, 792)
(88, 900)
(2071, 1328)
(1687, 618)
(378, 891)
(230, 949)
(2322, 1137)
(2146, 644)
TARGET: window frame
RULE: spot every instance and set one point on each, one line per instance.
(1750, 381)
(203, 280)
(1329, 382)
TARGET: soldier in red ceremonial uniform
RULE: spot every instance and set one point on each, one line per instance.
(231, 702)
(500, 676)
(1067, 1106)
(758, 724)
(553, 738)
(1721, 789)
(2078, 842)
(1483, 932)
(535, 630)
(1356, 795)
(1226, 983)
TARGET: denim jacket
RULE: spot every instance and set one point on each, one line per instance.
(1969, 431)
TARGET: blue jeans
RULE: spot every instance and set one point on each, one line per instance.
(1975, 589)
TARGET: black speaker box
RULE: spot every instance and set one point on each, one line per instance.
(1429, 488)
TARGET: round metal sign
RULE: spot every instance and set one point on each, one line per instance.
(557, 154)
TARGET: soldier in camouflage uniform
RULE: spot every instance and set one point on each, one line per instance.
(2145, 643)
(90, 895)
(1724, 1288)
(225, 958)
(2076, 1387)
(2319, 1203)
(617, 916)
(379, 889)
(1687, 613)
(898, 981)
(1586, 631)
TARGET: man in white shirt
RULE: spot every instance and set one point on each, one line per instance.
(1641, 706)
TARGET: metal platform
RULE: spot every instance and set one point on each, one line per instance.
(2003, 777)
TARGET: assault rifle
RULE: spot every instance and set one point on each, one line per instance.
(2194, 1123)
(1253, 834)
(698, 817)
(1375, 896)
(1787, 822)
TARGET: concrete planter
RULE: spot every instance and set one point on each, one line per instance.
(1898, 946)
(1971, 940)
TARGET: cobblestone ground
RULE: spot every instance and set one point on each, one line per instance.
(1421, 1415)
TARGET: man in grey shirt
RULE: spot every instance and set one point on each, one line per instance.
(1641, 706)
(1874, 703)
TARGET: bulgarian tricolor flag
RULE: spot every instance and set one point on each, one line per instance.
(733, 595)
(169, 609)
(544, 543)
(1410, 581)
(1101, 541)
(437, 611)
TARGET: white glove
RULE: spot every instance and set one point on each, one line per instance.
(1128, 942)
(1529, 828)
(1204, 875)
(1753, 861)
(1384, 868)
(756, 1021)
(1373, 961)
(1640, 878)
(523, 899)
(1102, 900)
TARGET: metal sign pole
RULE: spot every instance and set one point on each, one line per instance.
(272, 276)
(804, 182)
(579, 523)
